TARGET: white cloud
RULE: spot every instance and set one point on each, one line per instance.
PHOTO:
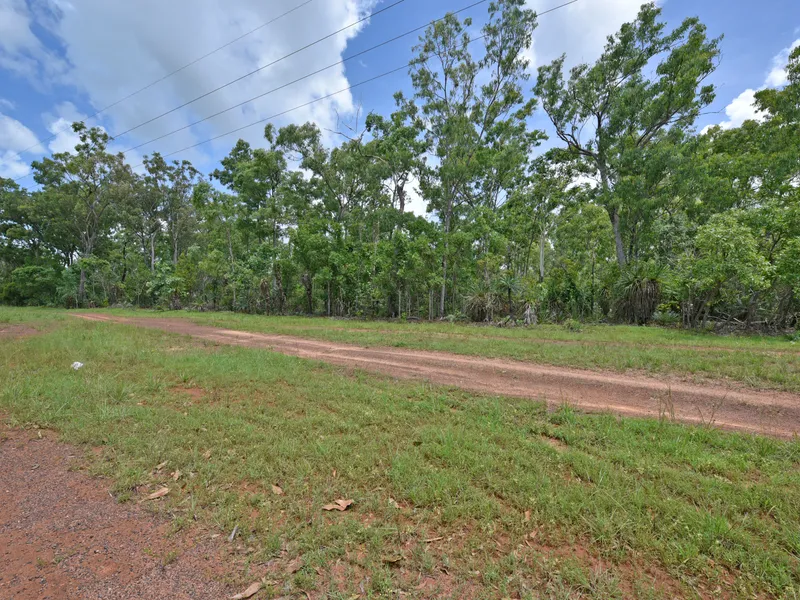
(415, 203)
(6, 104)
(60, 125)
(14, 139)
(21, 52)
(777, 76)
(742, 108)
(579, 30)
(114, 48)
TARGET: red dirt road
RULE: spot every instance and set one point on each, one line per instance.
(741, 409)
(63, 537)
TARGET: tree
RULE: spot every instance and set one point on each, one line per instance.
(463, 116)
(726, 260)
(92, 181)
(620, 108)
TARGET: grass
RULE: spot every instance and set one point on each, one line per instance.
(755, 361)
(456, 495)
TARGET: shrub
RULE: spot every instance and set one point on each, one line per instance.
(637, 293)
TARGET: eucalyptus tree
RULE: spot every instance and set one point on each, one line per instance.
(467, 121)
(92, 181)
(610, 112)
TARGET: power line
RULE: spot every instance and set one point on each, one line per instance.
(325, 97)
(285, 85)
(168, 75)
(341, 91)
(299, 79)
(261, 68)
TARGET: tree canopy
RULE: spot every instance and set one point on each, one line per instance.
(633, 216)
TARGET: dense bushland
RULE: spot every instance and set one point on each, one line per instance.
(635, 217)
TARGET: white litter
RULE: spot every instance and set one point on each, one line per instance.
(77, 365)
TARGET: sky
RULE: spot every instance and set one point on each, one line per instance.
(65, 60)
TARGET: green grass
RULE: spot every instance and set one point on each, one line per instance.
(755, 361)
(612, 504)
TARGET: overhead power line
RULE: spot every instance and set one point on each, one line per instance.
(261, 68)
(168, 75)
(304, 77)
(314, 101)
(325, 97)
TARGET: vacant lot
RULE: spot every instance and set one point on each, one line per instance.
(454, 494)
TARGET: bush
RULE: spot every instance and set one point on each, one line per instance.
(637, 293)
(31, 286)
(666, 318)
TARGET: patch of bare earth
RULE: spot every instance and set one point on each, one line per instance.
(16, 331)
(63, 536)
(742, 409)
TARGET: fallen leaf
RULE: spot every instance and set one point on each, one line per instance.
(158, 494)
(162, 465)
(295, 565)
(276, 489)
(340, 505)
(527, 516)
(176, 475)
(392, 560)
(393, 503)
(249, 592)
(434, 539)
(207, 454)
(334, 473)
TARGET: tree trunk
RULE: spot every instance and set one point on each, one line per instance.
(447, 219)
(621, 259)
(541, 256)
(82, 288)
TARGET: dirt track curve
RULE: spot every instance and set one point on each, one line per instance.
(742, 409)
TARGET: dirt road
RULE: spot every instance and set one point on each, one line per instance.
(742, 409)
(63, 536)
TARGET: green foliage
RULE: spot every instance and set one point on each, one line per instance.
(638, 293)
(571, 233)
(726, 265)
(31, 286)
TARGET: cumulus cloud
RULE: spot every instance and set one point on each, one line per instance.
(21, 52)
(777, 76)
(115, 48)
(743, 108)
(59, 124)
(14, 139)
(579, 30)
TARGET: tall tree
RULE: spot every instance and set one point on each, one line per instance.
(93, 180)
(460, 112)
(620, 109)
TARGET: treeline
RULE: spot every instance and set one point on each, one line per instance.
(635, 217)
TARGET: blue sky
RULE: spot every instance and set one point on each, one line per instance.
(64, 59)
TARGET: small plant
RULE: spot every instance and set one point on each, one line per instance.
(666, 319)
(638, 293)
(573, 325)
